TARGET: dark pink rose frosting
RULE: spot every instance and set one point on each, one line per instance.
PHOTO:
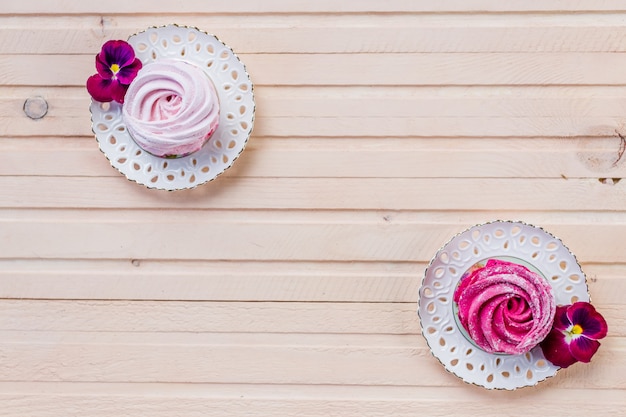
(505, 307)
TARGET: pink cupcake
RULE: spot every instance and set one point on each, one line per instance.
(505, 307)
(171, 109)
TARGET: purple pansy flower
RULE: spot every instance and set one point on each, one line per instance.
(574, 335)
(117, 67)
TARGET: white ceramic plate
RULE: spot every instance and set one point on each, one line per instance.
(448, 341)
(237, 109)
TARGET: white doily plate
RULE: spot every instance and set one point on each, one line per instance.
(517, 241)
(237, 107)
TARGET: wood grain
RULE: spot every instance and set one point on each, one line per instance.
(203, 280)
(212, 315)
(325, 6)
(418, 69)
(324, 33)
(309, 193)
(289, 286)
(539, 158)
(291, 400)
(254, 358)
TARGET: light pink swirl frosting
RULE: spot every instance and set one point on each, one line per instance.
(505, 307)
(171, 108)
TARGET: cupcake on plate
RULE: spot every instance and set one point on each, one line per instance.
(505, 307)
(171, 109)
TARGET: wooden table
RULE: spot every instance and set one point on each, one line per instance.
(289, 285)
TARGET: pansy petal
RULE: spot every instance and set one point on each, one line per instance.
(595, 329)
(118, 52)
(118, 91)
(583, 349)
(556, 350)
(585, 315)
(104, 70)
(128, 73)
(579, 312)
(99, 88)
(561, 320)
(104, 90)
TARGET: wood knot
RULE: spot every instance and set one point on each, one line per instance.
(609, 181)
(35, 107)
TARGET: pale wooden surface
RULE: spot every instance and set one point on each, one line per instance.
(288, 287)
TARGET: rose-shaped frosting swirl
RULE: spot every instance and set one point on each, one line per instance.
(171, 108)
(505, 307)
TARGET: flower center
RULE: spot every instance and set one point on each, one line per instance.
(574, 331)
(115, 68)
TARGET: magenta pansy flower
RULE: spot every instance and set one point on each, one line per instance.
(574, 335)
(117, 67)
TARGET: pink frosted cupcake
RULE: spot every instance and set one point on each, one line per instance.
(505, 307)
(171, 109)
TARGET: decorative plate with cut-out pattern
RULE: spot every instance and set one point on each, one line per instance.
(237, 107)
(516, 242)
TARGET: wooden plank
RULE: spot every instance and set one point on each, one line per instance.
(349, 111)
(391, 101)
(236, 316)
(301, 6)
(378, 282)
(238, 241)
(376, 101)
(229, 192)
(335, 237)
(210, 317)
(258, 359)
(195, 400)
(590, 157)
(538, 68)
(356, 127)
(418, 101)
(225, 280)
(324, 33)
